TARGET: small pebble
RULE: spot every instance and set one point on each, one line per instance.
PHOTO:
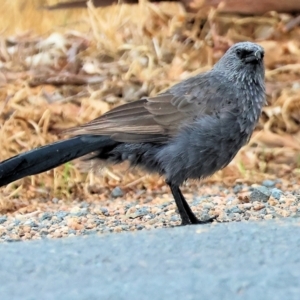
(230, 199)
(82, 212)
(140, 227)
(268, 183)
(44, 232)
(3, 219)
(247, 205)
(272, 201)
(175, 218)
(237, 188)
(125, 227)
(31, 223)
(276, 193)
(117, 192)
(268, 217)
(204, 217)
(170, 212)
(61, 214)
(208, 205)
(104, 211)
(260, 193)
(234, 209)
(142, 211)
(16, 222)
(84, 204)
(258, 206)
(46, 216)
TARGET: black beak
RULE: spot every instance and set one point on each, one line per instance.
(254, 58)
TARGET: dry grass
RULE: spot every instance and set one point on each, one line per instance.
(60, 69)
(21, 16)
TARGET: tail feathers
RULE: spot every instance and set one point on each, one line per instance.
(50, 156)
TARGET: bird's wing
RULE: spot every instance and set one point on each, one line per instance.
(157, 119)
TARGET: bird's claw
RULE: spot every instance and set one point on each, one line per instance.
(197, 221)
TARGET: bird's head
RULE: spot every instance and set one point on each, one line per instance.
(241, 61)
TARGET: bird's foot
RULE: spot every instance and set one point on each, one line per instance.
(210, 220)
(195, 221)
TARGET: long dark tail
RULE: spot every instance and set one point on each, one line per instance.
(50, 156)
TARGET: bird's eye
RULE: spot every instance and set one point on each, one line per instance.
(239, 53)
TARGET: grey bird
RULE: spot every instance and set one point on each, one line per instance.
(192, 130)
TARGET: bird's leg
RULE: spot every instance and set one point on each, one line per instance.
(192, 217)
(186, 214)
(180, 204)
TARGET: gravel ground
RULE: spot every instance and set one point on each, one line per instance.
(241, 203)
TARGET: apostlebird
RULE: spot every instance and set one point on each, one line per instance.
(191, 130)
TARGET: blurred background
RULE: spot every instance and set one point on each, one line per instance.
(63, 63)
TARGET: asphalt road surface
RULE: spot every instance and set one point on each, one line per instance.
(246, 260)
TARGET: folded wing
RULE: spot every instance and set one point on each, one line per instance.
(157, 119)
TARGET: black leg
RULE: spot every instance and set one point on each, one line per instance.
(192, 217)
(186, 214)
(180, 205)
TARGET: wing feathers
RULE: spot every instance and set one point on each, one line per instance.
(156, 119)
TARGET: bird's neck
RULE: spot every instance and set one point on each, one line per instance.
(253, 94)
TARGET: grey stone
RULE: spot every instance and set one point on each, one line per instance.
(3, 219)
(127, 206)
(84, 204)
(230, 199)
(140, 227)
(205, 216)
(151, 216)
(175, 218)
(46, 216)
(268, 183)
(125, 227)
(117, 192)
(61, 214)
(16, 222)
(263, 211)
(260, 193)
(247, 205)
(81, 213)
(237, 188)
(98, 221)
(276, 193)
(31, 223)
(164, 205)
(208, 205)
(142, 211)
(104, 210)
(55, 200)
(234, 209)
